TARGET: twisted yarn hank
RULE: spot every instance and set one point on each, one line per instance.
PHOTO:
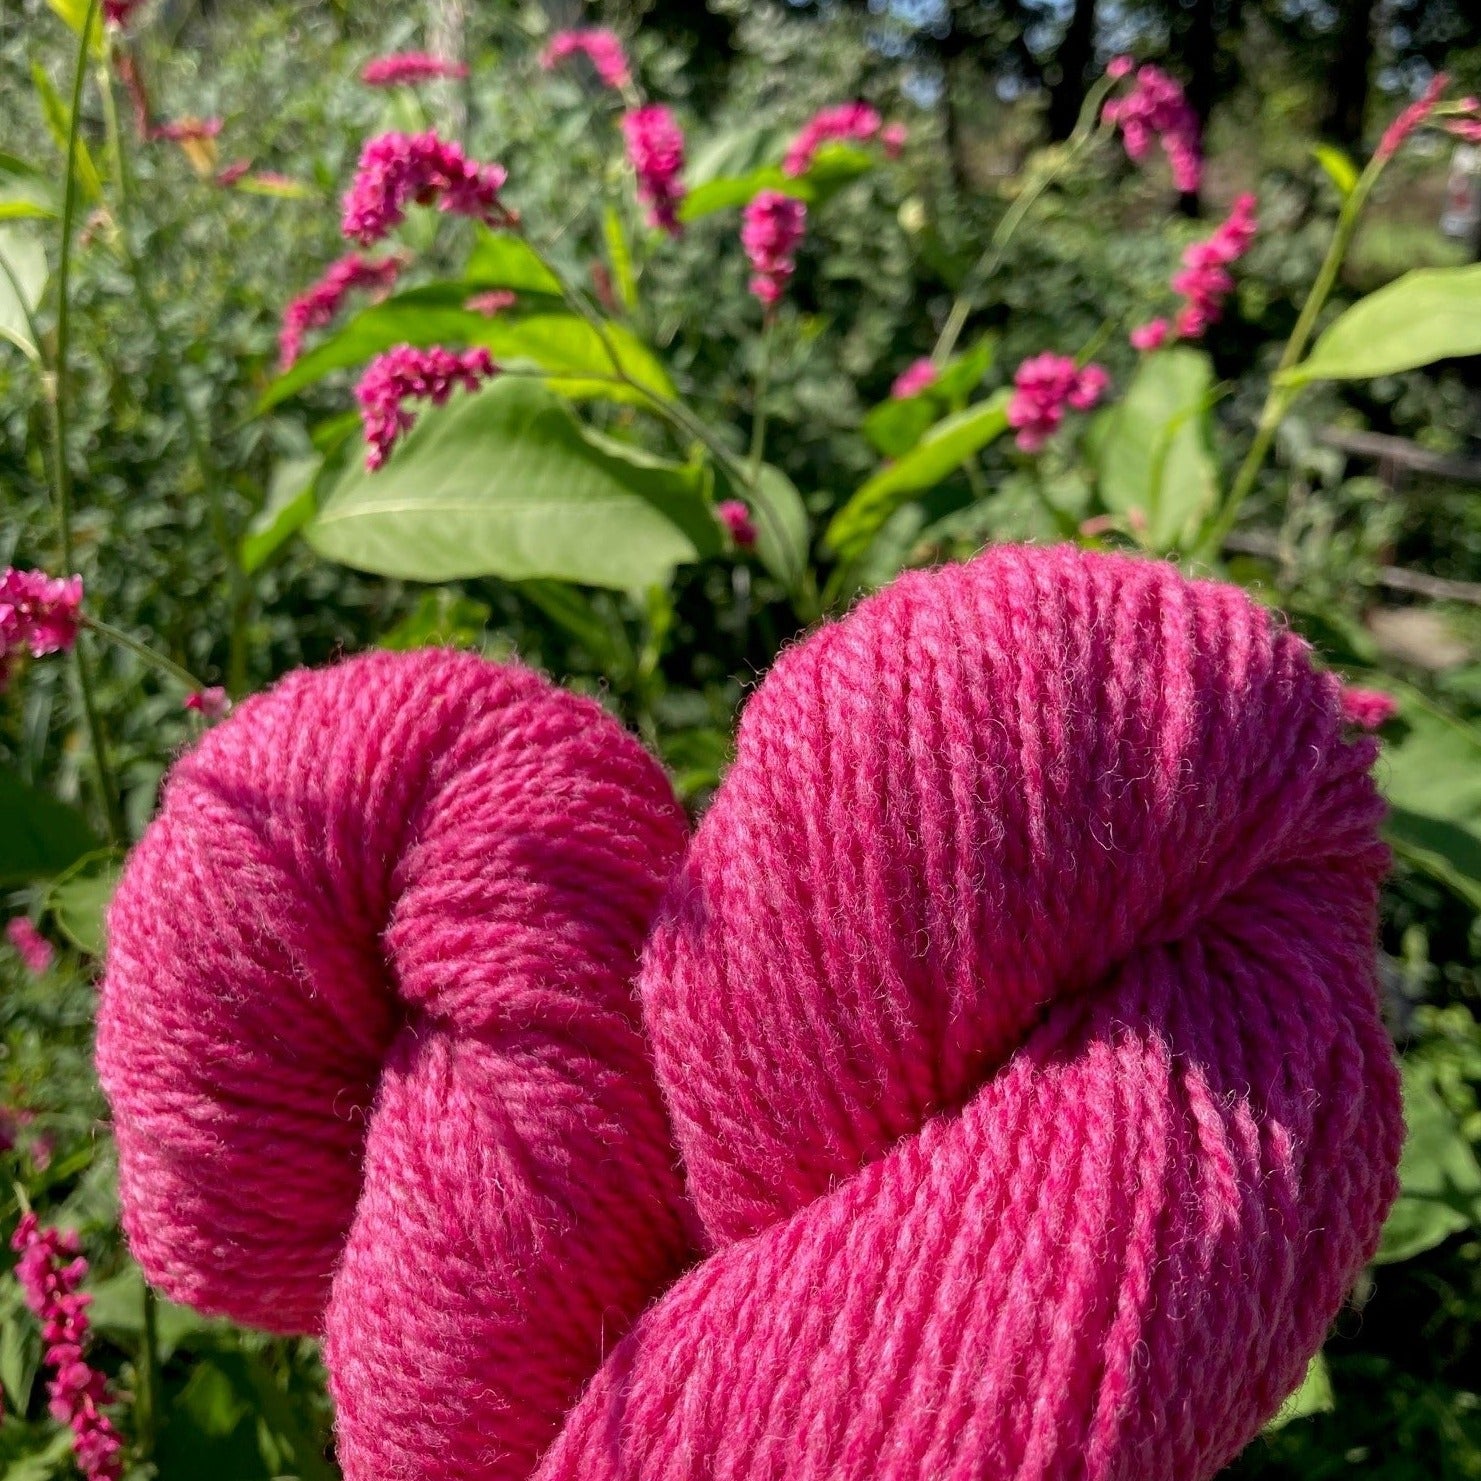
(1013, 1008)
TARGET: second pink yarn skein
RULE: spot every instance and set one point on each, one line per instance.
(1013, 1007)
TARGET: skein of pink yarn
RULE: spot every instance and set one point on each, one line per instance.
(369, 1034)
(1013, 1007)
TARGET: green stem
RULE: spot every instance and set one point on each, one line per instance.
(146, 1398)
(1279, 397)
(58, 419)
(758, 413)
(992, 255)
(142, 650)
(238, 591)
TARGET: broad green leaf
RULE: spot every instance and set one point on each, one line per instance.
(895, 426)
(78, 900)
(1339, 169)
(288, 508)
(1439, 1179)
(560, 343)
(1430, 314)
(500, 260)
(1314, 1396)
(619, 258)
(58, 121)
(20, 1352)
(506, 482)
(782, 534)
(39, 836)
(1431, 776)
(942, 450)
(25, 199)
(1151, 452)
(23, 274)
(34, 1452)
(833, 166)
(74, 14)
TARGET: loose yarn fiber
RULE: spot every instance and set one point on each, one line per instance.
(1012, 1011)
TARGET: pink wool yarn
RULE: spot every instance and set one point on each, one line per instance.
(1013, 1008)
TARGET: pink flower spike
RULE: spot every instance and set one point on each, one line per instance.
(1155, 108)
(49, 1272)
(1369, 709)
(1411, 118)
(771, 227)
(655, 148)
(398, 170)
(1042, 387)
(38, 613)
(317, 305)
(737, 520)
(856, 121)
(1204, 280)
(1119, 67)
(1468, 130)
(599, 46)
(119, 12)
(211, 703)
(1150, 336)
(31, 946)
(492, 302)
(410, 374)
(230, 174)
(405, 68)
(914, 379)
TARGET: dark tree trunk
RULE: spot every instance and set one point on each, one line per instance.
(1347, 90)
(1073, 58)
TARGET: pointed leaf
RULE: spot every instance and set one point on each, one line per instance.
(23, 274)
(39, 836)
(288, 508)
(78, 900)
(1430, 314)
(500, 260)
(58, 121)
(507, 483)
(1339, 169)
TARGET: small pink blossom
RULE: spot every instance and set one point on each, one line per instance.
(600, 46)
(31, 946)
(1119, 67)
(737, 520)
(1369, 709)
(1411, 118)
(398, 170)
(1150, 336)
(187, 130)
(317, 305)
(1042, 387)
(49, 1272)
(893, 137)
(845, 121)
(914, 379)
(655, 148)
(1204, 280)
(228, 175)
(211, 703)
(119, 12)
(39, 614)
(408, 67)
(410, 374)
(1155, 108)
(771, 228)
(491, 302)
(1468, 130)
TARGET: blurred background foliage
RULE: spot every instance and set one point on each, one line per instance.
(1365, 527)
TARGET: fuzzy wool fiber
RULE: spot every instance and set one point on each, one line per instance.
(1001, 1095)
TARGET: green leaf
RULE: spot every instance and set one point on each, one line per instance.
(1314, 1396)
(26, 199)
(963, 373)
(74, 14)
(1339, 169)
(1152, 452)
(833, 166)
(1439, 1179)
(78, 900)
(58, 121)
(895, 426)
(441, 619)
(1430, 314)
(23, 274)
(500, 260)
(557, 342)
(117, 1310)
(782, 531)
(506, 482)
(39, 836)
(942, 450)
(34, 1452)
(288, 508)
(20, 1353)
(1431, 774)
(573, 611)
(620, 258)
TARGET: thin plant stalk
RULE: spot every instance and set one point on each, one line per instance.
(758, 413)
(58, 413)
(1280, 396)
(156, 660)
